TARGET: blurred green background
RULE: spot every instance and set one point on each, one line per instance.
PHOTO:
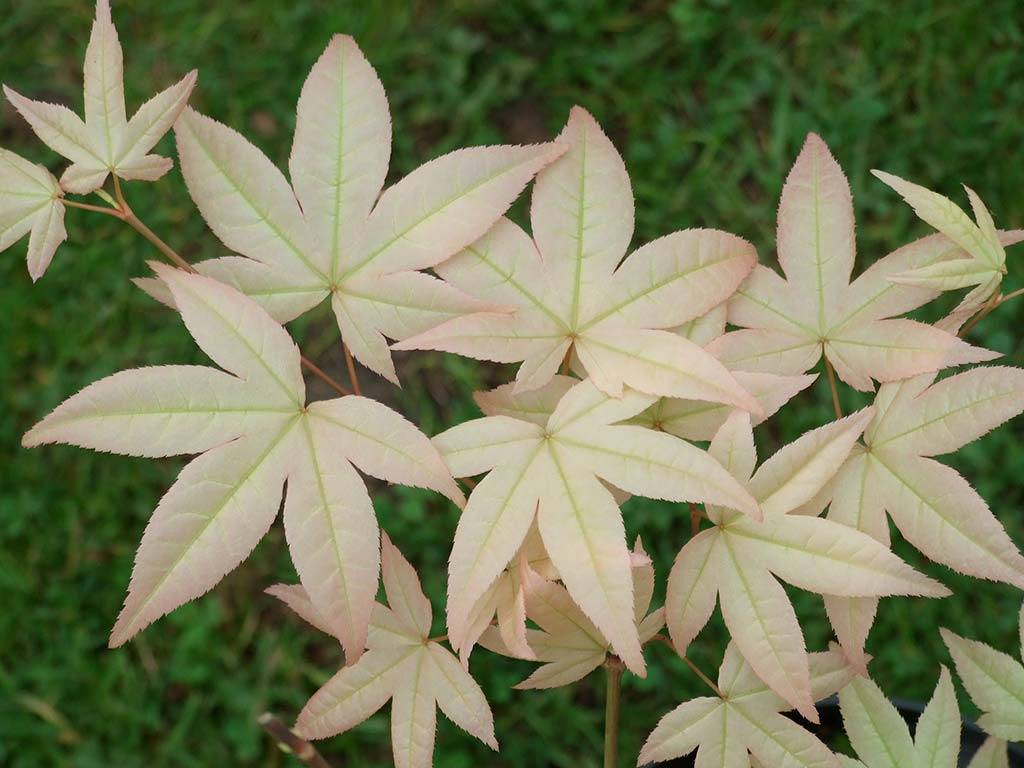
(708, 102)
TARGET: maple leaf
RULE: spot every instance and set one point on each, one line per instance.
(254, 430)
(984, 263)
(547, 467)
(787, 324)
(881, 737)
(994, 680)
(991, 754)
(747, 719)
(699, 420)
(738, 560)
(932, 505)
(106, 141)
(568, 643)
(402, 664)
(331, 232)
(30, 201)
(569, 290)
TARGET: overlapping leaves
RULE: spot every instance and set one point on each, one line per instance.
(331, 232)
(570, 293)
(417, 674)
(254, 430)
(547, 467)
(738, 560)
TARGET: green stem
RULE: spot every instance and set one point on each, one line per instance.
(835, 391)
(614, 668)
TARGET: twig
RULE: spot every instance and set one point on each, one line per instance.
(612, 708)
(987, 308)
(350, 364)
(832, 385)
(125, 214)
(291, 743)
(694, 519)
(693, 667)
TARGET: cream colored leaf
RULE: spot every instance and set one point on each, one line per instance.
(60, 129)
(383, 444)
(341, 147)
(45, 237)
(237, 335)
(992, 754)
(692, 588)
(444, 205)
(995, 682)
(937, 738)
(402, 585)
(245, 199)
(207, 523)
(458, 695)
(296, 598)
(875, 727)
(535, 405)
(158, 411)
(104, 84)
(283, 294)
(151, 121)
(682, 730)
(356, 692)
(333, 539)
(797, 472)
(480, 445)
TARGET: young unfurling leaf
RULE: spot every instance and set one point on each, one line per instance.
(30, 201)
(787, 324)
(402, 664)
(254, 431)
(570, 292)
(738, 560)
(932, 505)
(881, 737)
(331, 232)
(567, 643)
(747, 720)
(106, 141)
(994, 680)
(548, 468)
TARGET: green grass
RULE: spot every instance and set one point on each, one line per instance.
(708, 102)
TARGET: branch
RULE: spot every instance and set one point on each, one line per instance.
(290, 743)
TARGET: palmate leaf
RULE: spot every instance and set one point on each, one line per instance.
(983, 264)
(567, 642)
(331, 232)
(402, 664)
(697, 420)
(746, 727)
(787, 324)
(739, 559)
(994, 680)
(254, 430)
(881, 737)
(106, 141)
(932, 505)
(30, 202)
(570, 294)
(548, 468)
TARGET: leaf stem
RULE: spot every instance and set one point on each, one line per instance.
(832, 385)
(291, 743)
(614, 667)
(987, 308)
(693, 667)
(694, 519)
(350, 364)
(127, 215)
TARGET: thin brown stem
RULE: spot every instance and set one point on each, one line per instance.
(835, 391)
(320, 374)
(351, 365)
(291, 743)
(612, 709)
(94, 208)
(133, 221)
(693, 667)
(694, 519)
(988, 308)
